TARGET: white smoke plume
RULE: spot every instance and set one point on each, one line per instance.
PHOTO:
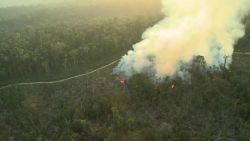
(209, 28)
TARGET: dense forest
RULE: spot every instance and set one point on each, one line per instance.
(52, 42)
(47, 43)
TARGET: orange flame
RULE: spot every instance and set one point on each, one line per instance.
(122, 82)
(173, 86)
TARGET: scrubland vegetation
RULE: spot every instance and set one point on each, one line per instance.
(47, 43)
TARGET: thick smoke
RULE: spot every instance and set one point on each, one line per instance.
(209, 28)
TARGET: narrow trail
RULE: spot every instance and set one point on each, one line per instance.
(80, 75)
(242, 53)
(61, 80)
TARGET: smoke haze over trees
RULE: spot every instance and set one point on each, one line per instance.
(50, 42)
(9, 3)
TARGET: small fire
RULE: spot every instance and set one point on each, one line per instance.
(173, 85)
(122, 81)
